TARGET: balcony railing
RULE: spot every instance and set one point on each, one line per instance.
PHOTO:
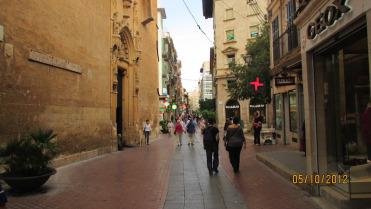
(285, 43)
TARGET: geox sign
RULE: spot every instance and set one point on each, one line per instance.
(327, 18)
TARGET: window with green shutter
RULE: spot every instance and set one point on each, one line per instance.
(230, 35)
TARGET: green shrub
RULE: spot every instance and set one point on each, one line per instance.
(163, 124)
(31, 155)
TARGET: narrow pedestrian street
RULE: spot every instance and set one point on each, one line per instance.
(162, 175)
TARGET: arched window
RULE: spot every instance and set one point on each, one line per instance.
(232, 109)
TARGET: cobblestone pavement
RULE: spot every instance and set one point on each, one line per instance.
(135, 178)
(260, 186)
(191, 187)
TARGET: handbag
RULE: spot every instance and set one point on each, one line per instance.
(235, 141)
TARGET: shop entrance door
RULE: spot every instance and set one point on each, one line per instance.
(286, 118)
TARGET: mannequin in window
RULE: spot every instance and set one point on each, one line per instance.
(366, 129)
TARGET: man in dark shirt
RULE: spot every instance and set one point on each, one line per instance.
(257, 125)
(211, 145)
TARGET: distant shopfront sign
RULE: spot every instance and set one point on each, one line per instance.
(285, 81)
(327, 18)
(232, 107)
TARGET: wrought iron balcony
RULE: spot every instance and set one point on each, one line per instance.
(285, 43)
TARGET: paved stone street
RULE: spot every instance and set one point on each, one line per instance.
(191, 187)
(260, 186)
(161, 176)
(135, 178)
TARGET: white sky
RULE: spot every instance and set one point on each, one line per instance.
(192, 46)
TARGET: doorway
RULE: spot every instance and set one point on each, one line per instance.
(232, 109)
(119, 109)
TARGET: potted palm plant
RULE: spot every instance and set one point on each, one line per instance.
(27, 160)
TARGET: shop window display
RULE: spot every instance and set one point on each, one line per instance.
(293, 111)
(278, 111)
(342, 83)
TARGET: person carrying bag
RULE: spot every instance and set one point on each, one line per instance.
(235, 140)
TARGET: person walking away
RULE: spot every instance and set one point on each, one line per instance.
(179, 131)
(226, 124)
(170, 127)
(235, 139)
(257, 125)
(191, 130)
(147, 130)
(211, 146)
(183, 123)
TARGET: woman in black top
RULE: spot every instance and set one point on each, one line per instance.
(235, 139)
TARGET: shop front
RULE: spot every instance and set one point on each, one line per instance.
(336, 67)
(342, 89)
(288, 108)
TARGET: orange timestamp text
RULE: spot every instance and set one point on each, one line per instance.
(325, 179)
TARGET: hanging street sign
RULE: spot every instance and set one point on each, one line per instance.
(284, 81)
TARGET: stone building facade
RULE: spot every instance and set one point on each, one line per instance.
(134, 68)
(206, 86)
(335, 55)
(287, 107)
(172, 76)
(59, 64)
(235, 22)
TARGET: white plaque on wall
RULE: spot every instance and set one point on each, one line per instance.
(54, 61)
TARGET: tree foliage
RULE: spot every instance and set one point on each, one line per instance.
(258, 66)
(207, 104)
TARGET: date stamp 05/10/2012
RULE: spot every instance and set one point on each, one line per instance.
(324, 179)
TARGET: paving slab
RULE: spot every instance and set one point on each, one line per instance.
(191, 187)
(260, 186)
(135, 178)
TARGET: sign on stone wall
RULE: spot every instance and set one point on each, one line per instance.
(327, 18)
(54, 61)
(285, 81)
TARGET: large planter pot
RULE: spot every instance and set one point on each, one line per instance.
(29, 183)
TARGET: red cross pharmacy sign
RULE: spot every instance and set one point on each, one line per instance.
(256, 83)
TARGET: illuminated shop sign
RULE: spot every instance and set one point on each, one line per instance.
(327, 18)
(232, 106)
(257, 105)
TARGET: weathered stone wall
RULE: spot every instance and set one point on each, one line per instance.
(148, 71)
(140, 62)
(34, 95)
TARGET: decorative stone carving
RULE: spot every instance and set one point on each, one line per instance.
(127, 3)
(123, 52)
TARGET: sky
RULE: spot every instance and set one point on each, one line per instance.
(192, 46)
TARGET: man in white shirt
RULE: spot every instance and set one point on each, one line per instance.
(147, 130)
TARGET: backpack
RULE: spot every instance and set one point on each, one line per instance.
(191, 127)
